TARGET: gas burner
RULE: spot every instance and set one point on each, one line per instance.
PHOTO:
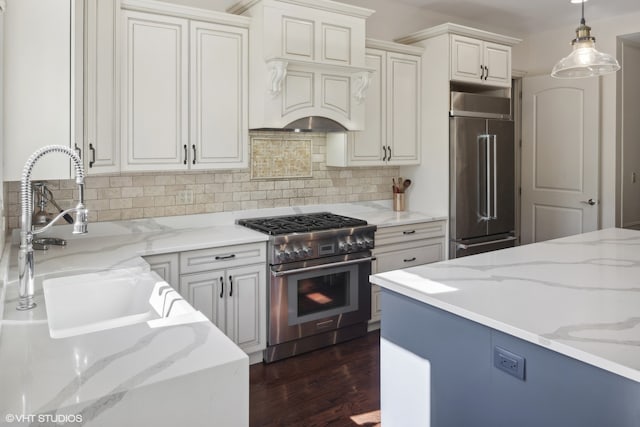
(303, 223)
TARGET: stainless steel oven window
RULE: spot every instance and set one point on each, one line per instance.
(322, 293)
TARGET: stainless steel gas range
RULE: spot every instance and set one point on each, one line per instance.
(319, 292)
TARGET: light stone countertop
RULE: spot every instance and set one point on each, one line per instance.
(82, 374)
(578, 296)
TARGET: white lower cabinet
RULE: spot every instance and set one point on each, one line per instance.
(405, 246)
(228, 285)
(231, 299)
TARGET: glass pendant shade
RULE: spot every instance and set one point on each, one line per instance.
(584, 60)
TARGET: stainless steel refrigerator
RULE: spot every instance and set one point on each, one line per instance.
(482, 181)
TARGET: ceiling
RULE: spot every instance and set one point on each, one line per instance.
(527, 16)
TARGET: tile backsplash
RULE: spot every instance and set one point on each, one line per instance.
(146, 195)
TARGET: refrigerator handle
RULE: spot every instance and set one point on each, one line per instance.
(484, 192)
(493, 179)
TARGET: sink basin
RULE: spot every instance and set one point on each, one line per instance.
(98, 301)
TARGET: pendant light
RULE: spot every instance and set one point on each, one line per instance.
(585, 60)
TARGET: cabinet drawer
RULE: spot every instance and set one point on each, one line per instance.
(409, 232)
(394, 257)
(222, 257)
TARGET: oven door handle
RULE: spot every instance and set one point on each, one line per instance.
(321, 266)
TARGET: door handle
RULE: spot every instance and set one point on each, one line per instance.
(185, 155)
(389, 148)
(486, 72)
(193, 161)
(589, 202)
(481, 72)
(230, 286)
(221, 286)
(384, 158)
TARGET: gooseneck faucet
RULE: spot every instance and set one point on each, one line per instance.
(26, 264)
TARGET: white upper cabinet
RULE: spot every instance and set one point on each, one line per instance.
(480, 62)
(392, 131)
(155, 98)
(101, 132)
(184, 90)
(219, 96)
(42, 82)
(307, 59)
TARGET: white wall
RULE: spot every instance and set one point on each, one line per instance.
(537, 55)
(2, 216)
(629, 138)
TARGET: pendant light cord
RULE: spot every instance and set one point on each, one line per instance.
(582, 22)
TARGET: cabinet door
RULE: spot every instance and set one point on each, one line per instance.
(246, 307)
(206, 293)
(219, 96)
(403, 109)
(165, 266)
(40, 84)
(497, 59)
(155, 98)
(102, 139)
(466, 59)
(366, 148)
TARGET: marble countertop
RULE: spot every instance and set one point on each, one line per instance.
(47, 374)
(578, 296)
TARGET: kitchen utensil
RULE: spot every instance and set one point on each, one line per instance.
(406, 184)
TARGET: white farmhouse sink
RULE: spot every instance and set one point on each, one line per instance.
(97, 301)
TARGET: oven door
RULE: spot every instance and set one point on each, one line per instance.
(311, 297)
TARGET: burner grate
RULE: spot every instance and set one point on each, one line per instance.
(302, 223)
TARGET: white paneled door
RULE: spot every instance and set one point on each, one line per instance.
(560, 146)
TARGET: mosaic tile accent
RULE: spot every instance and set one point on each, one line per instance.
(279, 158)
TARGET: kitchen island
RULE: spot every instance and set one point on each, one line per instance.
(546, 334)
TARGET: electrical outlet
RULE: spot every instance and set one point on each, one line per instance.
(511, 363)
(185, 197)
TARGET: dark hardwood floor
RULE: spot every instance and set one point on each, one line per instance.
(336, 386)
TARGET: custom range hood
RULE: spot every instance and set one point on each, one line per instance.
(307, 68)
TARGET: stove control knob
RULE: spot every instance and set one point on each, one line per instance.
(361, 244)
(368, 243)
(297, 253)
(307, 252)
(342, 246)
(285, 256)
